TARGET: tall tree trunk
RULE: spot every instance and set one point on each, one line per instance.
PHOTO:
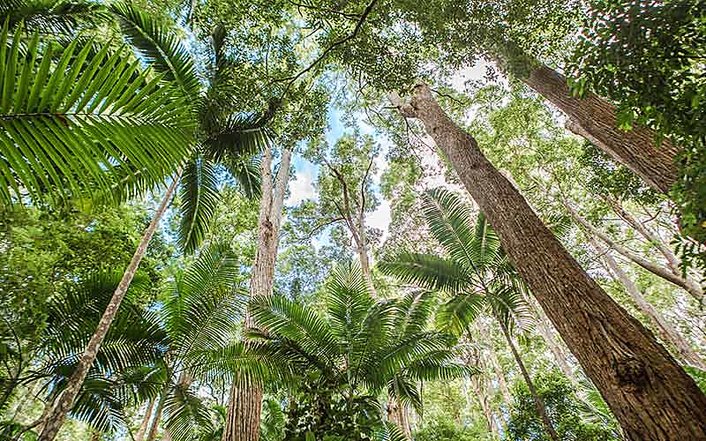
(668, 333)
(495, 364)
(63, 403)
(245, 406)
(145, 421)
(594, 118)
(538, 402)
(652, 397)
(690, 286)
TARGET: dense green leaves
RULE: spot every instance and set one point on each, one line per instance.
(359, 348)
(85, 124)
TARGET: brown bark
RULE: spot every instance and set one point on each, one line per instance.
(649, 393)
(538, 402)
(668, 333)
(245, 406)
(690, 286)
(55, 417)
(594, 118)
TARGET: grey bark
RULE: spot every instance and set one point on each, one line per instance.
(245, 403)
(668, 333)
(62, 405)
(651, 396)
(693, 288)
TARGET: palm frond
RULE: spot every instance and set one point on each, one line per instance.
(292, 321)
(187, 415)
(66, 126)
(460, 311)
(199, 197)
(246, 172)
(450, 221)
(52, 16)
(428, 271)
(159, 46)
(348, 301)
(232, 135)
(413, 312)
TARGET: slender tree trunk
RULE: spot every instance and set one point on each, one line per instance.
(56, 416)
(672, 260)
(140, 436)
(495, 364)
(154, 427)
(594, 118)
(538, 402)
(689, 286)
(668, 333)
(652, 397)
(245, 406)
(480, 391)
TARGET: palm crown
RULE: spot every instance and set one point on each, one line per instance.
(476, 274)
(358, 347)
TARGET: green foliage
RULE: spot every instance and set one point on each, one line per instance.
(446, 430)
(648, 57)
(115, 380)
(476, 276)
(342, 361)
(563, 407)
(85, 125)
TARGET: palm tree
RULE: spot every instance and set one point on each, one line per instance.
(117, 380)
(222, 137)
(477, 275)
(200, 313)
(359, 348)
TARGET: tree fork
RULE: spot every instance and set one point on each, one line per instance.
(649, 393)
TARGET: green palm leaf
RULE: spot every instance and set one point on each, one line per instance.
(450, 221)
(160, 47)
(52, 16)
(460, 311)
(428, 271)
(75, 127)
(199, 198)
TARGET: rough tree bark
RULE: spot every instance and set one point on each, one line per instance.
(538, 402)
(690, 286)
(54, 419)
(245, 405)
(594, 118)
(668, 333)
(652, 397)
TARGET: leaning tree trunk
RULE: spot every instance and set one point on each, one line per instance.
(652, 397)
(142, 431)
(594, 118)
(59, 409)
(538, 402)
(668, 333)
(245, 405)
(690, 286)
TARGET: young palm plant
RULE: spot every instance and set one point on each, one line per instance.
(345, 358)
(222, 137)
(476, 275)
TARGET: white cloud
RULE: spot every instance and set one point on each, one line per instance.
(302, 188)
